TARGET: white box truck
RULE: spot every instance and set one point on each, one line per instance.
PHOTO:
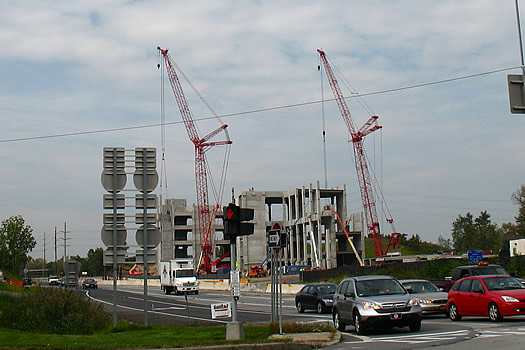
(178, 276)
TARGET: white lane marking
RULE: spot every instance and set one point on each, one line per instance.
(413, 338)
(155, 312)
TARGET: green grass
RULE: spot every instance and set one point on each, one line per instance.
(131, 336)
(51, 318)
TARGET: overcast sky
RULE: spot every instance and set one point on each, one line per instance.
(76, 67)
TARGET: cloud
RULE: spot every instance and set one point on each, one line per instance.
(74, 66)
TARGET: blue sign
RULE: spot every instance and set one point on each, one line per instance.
(475, 256)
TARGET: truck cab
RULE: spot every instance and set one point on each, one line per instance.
(178, 276)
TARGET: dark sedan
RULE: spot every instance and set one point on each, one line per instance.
(316, 296)
(89, 283)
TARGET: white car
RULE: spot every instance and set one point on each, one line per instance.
(53, 280)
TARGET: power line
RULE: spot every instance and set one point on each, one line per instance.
(260, 110)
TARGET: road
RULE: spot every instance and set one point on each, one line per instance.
(171, 309)
(437, 332)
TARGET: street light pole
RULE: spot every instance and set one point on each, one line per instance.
(521, 48)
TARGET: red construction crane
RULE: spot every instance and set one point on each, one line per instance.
(363, 174)
(205, 218)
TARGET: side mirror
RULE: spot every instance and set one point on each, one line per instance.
(410, 290)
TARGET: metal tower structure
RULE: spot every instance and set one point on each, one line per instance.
(363, 174)
(202, 145)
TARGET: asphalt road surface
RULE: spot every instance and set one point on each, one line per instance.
(437, 332)
(175, 309)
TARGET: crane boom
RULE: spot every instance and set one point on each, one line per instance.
(201, 146)
(363, 174)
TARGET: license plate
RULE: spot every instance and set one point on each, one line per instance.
(396, 316)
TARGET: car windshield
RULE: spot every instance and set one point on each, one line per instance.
(421, 287)
(489, 270)
(90, 281)
(502, 283)
(326, 289)
(379, 287)
(184, 273)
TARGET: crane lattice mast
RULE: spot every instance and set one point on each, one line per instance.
(201, 146)
(363, 174)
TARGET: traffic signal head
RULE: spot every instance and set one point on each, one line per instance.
(233, 221)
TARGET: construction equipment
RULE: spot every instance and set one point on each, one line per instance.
(256, 271)
(329, 207)
(202, 145)
(363, 174)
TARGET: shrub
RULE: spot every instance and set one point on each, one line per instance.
(52, 310)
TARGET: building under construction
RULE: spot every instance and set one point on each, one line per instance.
(308, 214)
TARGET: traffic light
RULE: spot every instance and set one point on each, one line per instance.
(234, 221)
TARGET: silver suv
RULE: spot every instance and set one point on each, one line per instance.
(379, 302)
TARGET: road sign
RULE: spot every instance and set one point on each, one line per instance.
(221, 310)
(151, 201)
(118, 203)
(152, 256)
(235, 283)
(108, 219)
(107, 236)
(273, 238)
(108, 257)
(515, 84)
(114, 158)
(113, 183)
(151, 218)
(154, 236)
(475, 256)
(152, 180)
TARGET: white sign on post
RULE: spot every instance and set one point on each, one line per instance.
(235, 283)
(221, 310)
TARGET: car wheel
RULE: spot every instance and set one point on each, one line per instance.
(358, 324)
(299, 306)
(320, 307)
(415, 326)
(454, 312)
(494, 314)
(340, 326)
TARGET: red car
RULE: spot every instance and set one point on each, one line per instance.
(492, 296)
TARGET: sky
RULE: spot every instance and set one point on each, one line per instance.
(78, 76)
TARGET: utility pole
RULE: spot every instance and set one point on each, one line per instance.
(56, 267)
(44, 267)
(65, 242)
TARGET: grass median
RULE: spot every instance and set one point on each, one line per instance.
(52, 318)
(129, 336)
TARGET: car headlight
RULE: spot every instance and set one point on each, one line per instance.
(197, 283)
(423, 301)
(509, 299)
(327, 301)
(371, 305)
(178, 284)
(413, 302)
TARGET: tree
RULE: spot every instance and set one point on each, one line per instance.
(16, 241)
(446, 243)
(518, 198)
(479, 233)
